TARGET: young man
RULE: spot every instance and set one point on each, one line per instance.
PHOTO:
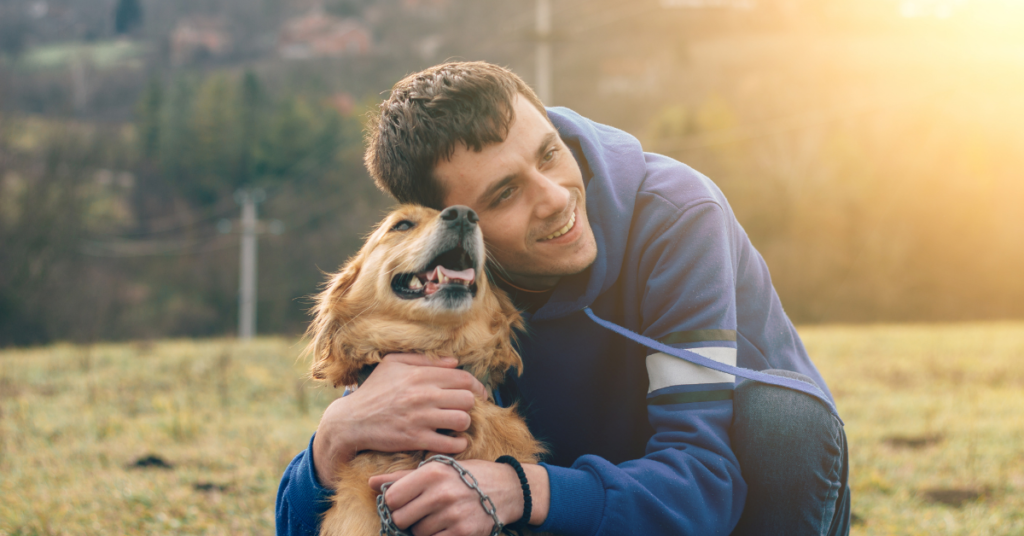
(575, 214)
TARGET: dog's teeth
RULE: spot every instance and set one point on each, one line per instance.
(441, 278)
(415, 283)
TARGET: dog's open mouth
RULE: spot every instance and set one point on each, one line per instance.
(451, 271)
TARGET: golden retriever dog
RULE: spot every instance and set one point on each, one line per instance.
(418, 285)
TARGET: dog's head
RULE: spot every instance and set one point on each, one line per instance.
(417, 285)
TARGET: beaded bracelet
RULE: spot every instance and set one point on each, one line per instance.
(527, 500)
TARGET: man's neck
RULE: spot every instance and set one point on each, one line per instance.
(531, 283)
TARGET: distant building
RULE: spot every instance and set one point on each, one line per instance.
(709, 4)
(344, 103)
(319, 35)
(199, 37)
(426, 4)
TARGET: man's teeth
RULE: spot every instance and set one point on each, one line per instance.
(415, 283)
(563, 230)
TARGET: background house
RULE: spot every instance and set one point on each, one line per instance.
(319, 34)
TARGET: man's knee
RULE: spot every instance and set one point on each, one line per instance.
(791, 450)
(777, 411)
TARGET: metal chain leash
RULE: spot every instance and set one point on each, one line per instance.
(387, 525)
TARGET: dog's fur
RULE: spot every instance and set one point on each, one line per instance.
(360, 317)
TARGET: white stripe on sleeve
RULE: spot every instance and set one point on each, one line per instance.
(667, 371)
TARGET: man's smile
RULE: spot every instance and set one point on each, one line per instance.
(564, 229)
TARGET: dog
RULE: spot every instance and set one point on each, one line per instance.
(417, 285)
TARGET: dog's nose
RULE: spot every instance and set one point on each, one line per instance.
(459, 214)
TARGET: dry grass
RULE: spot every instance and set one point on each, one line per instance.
(933, 416)
(227, 417)
(932, 412)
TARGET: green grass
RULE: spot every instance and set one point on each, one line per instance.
(102, 54)
(230, 416)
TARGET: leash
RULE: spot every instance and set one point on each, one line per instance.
(697, 359)
(387, 525)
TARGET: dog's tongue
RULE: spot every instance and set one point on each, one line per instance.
(467, 275)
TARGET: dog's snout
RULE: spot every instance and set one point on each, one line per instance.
(459, 214)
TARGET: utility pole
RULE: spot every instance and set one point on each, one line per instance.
(247, 272)
(544, 52)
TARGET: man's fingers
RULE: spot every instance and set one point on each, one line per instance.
(460, 379)
(450, 419)
(431, 524)
(459, 399)
(421, 360)
(443, 444)
(412, 513)
(446, 379)
(376, 481)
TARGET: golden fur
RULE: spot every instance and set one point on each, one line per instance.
(359, 319)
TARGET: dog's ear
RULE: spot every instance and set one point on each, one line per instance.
(327, 345)
(508, 323)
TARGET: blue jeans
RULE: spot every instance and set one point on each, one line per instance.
(793, 455)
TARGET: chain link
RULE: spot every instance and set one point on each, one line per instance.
(387, 525)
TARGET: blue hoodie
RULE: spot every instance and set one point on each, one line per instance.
(639, 440)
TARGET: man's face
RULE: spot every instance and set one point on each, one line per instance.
(528, 191)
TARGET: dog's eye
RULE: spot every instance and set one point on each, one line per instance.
(403, 225)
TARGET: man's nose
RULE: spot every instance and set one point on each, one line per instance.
(459, 217)
(553, 198)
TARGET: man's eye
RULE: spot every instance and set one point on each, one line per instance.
(403, 225)
(550, 155)
(507, 193)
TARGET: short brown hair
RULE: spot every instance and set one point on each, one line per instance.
(428, 114)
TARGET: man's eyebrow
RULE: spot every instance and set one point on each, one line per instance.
(542, 150)
(495, 188)
(546, 142)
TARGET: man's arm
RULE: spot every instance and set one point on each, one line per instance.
(689, 481)
(399, 407)
(301, 500)
(433, 499)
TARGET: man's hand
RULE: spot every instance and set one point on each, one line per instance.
(400, 407)
(433, 500)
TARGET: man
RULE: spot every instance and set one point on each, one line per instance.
(575, 214)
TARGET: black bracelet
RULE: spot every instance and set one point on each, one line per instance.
(527, 500)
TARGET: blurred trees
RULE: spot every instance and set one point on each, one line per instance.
(874, 159)
(112, 232)
(127, 16)
(50, 200)
(208, 138)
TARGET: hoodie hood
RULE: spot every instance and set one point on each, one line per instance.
(613, 167)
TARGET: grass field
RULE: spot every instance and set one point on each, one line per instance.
(933, 414)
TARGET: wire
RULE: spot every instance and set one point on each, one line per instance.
(177, 226)
(150, 248)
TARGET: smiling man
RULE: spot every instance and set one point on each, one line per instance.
(576, 215)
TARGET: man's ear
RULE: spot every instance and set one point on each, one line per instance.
(327, 346)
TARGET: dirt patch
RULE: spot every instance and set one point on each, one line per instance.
(955, 497)
(150, 461)
(209, 486)
(914, 442)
